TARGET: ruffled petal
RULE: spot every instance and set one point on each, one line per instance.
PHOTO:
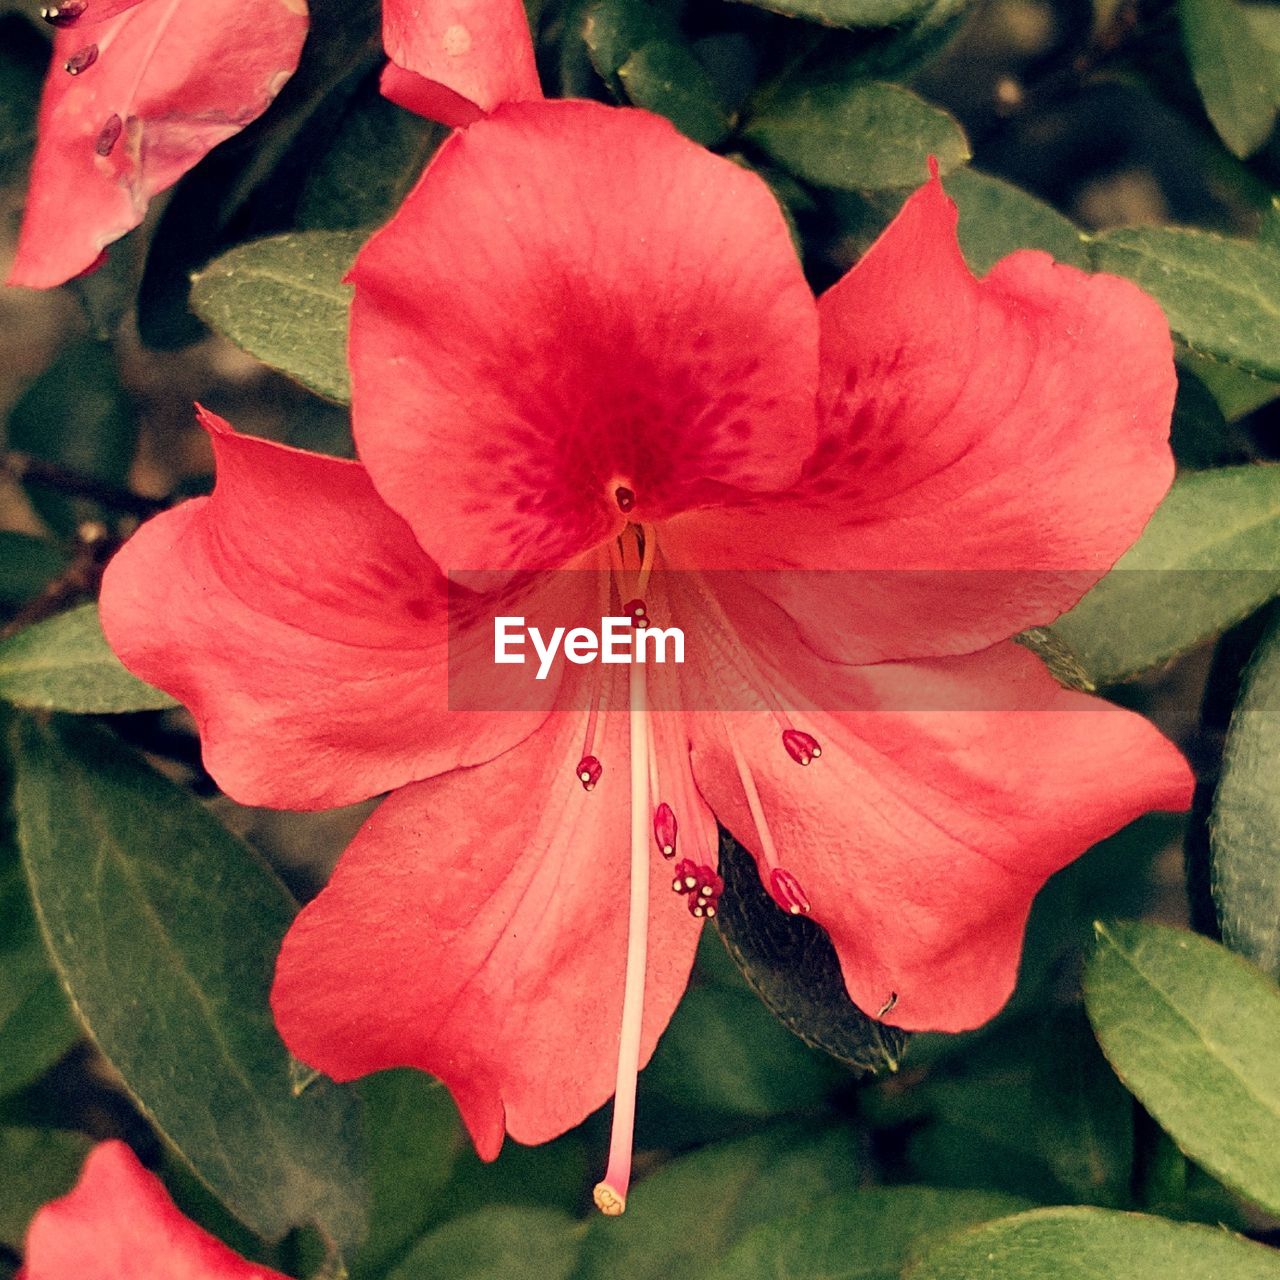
(156, 88)
(297, 618)
(577, 299)
(991, 448)
(454, 60)
(119, 1222)
(477, 929)
(921, 836)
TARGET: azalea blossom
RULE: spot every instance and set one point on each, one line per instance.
(588, 372)
(119, 1222)
(138, 91)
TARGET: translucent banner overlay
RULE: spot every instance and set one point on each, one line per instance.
(807, 640)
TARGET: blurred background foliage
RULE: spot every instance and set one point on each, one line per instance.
(1056, 122)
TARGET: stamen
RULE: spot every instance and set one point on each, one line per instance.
(64, 15)
(665, 829)
(702, 884)
(625, 500)
(611, 1192)
(801, 747)
(888, 1005)
(81, 60)
(109, 136)
(649, 553)
(783, 887)
(637, 611)
(785, 890)
(589, 771)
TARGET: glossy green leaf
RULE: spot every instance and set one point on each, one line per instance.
(857, 135)
(1209, 557)
(1238, 393)
(164, 929)
(65, 664)
(613, 30)
(282, 299)
(414, 1139)
(508, 1243)
(1031, 1109)
(27, 565)
(1096, 1244)
(77, 416)
(1194, 1032)
(1222, 296)
(1200, 435)
(693, 1208)
(1238, 78)
(997, 218)
(36, 1165)
(1244, 829)
(36, 1023)
(870, 1234)
(791, 965)
(849, 13)
(377, 154)
(665, 77)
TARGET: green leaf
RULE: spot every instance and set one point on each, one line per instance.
(27, 565)
(1208, 558)
(1222, 296)
(36, 1166)
(692, 1209)
(725, 1055)
(282, 299)
(164, 929)
(77, 416)
(870, 1234)
(1244, 828)
(613, 30)
(791, 965)
(1096, 1244)
(1238, 78)
(65, 664)
(664, 76)
(36, 1024)
(1238, 393)
(497, 1244)
(414, 1140)
(857, 136)
(1031, 1109)
(1200, 435)
(1194, 1033)
(849, 13)
(378, 152)
(997, 218)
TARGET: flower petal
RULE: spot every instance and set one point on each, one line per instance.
(921, 837)
(454, 60)
(1009, 435)
(167, 82)
(575, 298)
(297, 618)
(477, 929)
(119, 1221)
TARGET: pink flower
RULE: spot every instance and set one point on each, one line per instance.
(119, 1223)
(584, 342)
(453, 61)
(137, 93)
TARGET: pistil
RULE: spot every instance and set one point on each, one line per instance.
(611, 1191)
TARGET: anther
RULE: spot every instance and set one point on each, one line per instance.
(664, 829)
(888, 1005)
(702, 885)
(637, 611)
(787, 893)
(81, 60)
(686, 877)
(801, 747)
(624, 498)
(109, 136)
(589, 771)
(64, 15)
